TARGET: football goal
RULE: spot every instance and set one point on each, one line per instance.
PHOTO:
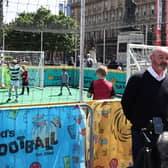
(138, 58)
(33, 60)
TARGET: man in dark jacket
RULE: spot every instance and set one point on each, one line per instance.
(146, 98)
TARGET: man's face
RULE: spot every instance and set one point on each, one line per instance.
(160, 60)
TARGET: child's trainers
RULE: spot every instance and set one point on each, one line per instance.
(8, 100)
(16, 101)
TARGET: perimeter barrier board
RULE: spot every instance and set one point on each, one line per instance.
(41, 137)
(52, 76)
(112, 135)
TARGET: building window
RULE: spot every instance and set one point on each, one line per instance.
(119, 14)
(106, 4)
(144, 11)
(105, 16)
(112, 15)
(108, 34)
(94, 19)
(100, 6)
(99, 35)
(153, 9)
(101, 17)
(137, 12)
(109, 16)
(94, 6)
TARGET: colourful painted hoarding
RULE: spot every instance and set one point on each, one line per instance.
(112, 136)
(52, 137)
(116, 77)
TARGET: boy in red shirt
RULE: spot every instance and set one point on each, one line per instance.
(101, 88)
(25, 80)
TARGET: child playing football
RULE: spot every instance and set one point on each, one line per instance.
(25, 80)
(65, 82)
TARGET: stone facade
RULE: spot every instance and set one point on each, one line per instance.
(109, 15)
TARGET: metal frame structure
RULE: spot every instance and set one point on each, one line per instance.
(41, 63)
(131, 56)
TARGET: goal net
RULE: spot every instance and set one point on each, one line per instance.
(32, 60)
(138, 58)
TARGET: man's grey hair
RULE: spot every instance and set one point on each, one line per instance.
(163, 49)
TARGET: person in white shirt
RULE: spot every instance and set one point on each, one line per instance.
(89, 61)
(14, 70)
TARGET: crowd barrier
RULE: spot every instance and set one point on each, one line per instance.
(43, 137)
(96, 135)
(112, 135)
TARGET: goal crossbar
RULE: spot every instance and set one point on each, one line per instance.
(137, 58)
(143, 46)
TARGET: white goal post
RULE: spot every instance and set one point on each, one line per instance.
(138, 58)
(33, 60)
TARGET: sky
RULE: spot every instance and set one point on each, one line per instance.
(17, 6)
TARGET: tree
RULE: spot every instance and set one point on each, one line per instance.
(42, 20)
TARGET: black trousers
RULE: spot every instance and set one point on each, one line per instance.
(65, 85)
(25, 85)
(139, 155)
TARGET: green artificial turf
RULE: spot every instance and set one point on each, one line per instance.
(43, 96)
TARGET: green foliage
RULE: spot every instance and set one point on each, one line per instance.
(42, 20)
(25, 19)
(8, 58)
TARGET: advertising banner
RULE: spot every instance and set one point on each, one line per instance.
(112, 136)
(46, 137)
(52, 77)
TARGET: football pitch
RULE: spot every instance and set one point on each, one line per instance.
(47, 95)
